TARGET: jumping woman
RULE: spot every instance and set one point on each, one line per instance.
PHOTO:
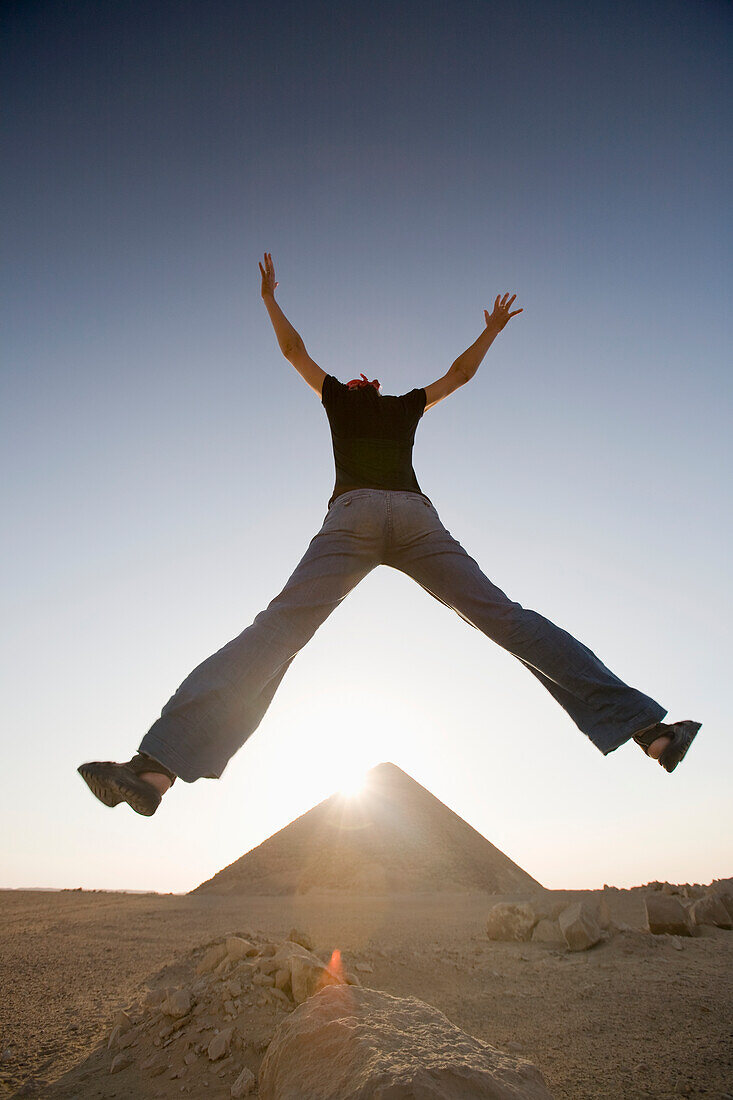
(377, 515)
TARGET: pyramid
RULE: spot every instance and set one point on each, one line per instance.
(394, 837)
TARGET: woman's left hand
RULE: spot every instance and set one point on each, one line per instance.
(268, 276)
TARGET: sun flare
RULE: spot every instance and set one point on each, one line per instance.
(352, 782)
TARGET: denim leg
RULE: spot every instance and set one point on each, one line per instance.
(222, 702)
(607, 710)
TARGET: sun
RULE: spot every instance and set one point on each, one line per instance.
(352, 782)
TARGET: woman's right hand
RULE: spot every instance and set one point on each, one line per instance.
(498, 319)
(268, 276)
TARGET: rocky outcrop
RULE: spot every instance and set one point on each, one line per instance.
(579, 926)
(711, 910)
(347, 1043)
(666, 915)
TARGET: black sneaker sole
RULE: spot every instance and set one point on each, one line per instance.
(114, 783)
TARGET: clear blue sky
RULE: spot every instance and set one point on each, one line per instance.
(165, 467)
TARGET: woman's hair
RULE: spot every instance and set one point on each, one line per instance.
(361, 382)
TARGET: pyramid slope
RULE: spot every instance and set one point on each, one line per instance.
(395, 837)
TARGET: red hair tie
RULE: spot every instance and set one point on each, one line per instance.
(360, 383)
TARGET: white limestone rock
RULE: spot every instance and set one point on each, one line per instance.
(711, 910)
(307, 976)
(347, 1043)
(509, 920)
(666, 915)
(579, 926)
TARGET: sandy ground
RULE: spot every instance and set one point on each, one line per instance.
(634, 1017)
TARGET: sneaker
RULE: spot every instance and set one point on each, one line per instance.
(113, 783)
(681, 735)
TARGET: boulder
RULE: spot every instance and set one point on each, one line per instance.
(547, 931)
(511, 921)
(666, 915)
(711, 910)
(238, 948)
(308, 976)
(282, 978)
(296, 936)
(347, 1043)
(727, 900)
(579, 926)
(213, 958)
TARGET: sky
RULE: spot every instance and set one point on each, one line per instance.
(165, 467)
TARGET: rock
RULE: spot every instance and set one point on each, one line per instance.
(114, 1037)
(267, 965)
(666, 915)
(220, 1044)
(282, 978)
(263, 980)
(726, 899)
(710, 910)
(579, 926)
(307, 976)
(178, 1004)
(302, 938)
(677, 943)
(547, 931)
(244, 1084)
(129, 1038)
(364, 968)
(511, 921)
(346, 1043)
(212, 959)
(154, 998)
(289, 950)
(238, 948)
(122, 1020)
(603, 915)
(120, 1061)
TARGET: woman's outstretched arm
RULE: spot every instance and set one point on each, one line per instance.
(466, 365)
(290, 341)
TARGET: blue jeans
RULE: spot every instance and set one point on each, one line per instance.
(222, 702)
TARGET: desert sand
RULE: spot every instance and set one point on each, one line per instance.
(635, 1015)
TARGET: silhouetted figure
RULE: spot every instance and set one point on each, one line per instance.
(377, 515)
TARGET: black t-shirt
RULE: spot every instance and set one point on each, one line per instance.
(372, 436)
